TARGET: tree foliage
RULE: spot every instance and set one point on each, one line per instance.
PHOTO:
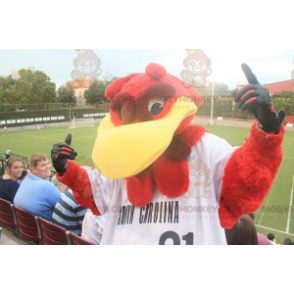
(96, 93)
(284, 101)
(66, 94)
(284, 94)
(28, 89)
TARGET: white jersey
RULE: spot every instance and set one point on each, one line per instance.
(93, 227)
(191, 219)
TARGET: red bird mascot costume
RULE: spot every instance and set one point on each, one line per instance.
(160, 180)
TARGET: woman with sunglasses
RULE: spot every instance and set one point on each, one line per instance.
(8, 182)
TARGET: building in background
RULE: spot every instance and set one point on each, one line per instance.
(273, 88)
(80, 85)
(280, 86)
(241, 84)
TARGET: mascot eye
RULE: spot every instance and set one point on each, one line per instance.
(156, 105)
(83, 63)
(201, 173)
(201, 63)
(192, 63)
(91, 63)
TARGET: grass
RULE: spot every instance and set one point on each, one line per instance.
(28, 142)
(271, 217)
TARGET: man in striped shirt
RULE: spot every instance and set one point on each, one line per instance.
(67, 213)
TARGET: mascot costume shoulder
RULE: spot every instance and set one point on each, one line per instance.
(159, 180)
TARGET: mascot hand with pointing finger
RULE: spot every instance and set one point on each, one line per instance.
(163, 181)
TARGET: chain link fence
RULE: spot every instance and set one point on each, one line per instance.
(46, 106)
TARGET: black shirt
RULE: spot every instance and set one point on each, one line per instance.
(8, 189)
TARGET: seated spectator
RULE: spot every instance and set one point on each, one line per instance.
(8, 182)
(271, 238)
(262, 239)
(60, 186)
(243, 233)
(67, 213)
(8, 153)
(2, 171)
(23, 176)
(37, 195)
(288, 241)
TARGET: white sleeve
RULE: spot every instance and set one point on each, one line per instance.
(93, 227)
(103, 190)
(220, 152)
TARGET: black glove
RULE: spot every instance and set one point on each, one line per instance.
(258, 101)
(61, 152)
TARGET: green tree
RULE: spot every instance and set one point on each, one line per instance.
(284, 94)
(43, 90)
(30, 87)
(284, 101)
(5, 85)
(23, 87)
(96, 93)
(66, 94)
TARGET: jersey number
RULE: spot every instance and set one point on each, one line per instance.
(189, 238)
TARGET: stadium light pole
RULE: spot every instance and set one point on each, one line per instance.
(212, 122)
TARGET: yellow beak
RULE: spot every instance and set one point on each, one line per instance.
(125, 151)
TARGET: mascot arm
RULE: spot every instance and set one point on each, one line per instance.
(249, 174)
(78, 180)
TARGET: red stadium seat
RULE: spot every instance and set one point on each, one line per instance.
(7, 214)
(53, 234)
(76, 240)
(28, 225)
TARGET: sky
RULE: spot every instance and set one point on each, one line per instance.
(269, 65)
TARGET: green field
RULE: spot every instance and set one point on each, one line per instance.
(274, 216)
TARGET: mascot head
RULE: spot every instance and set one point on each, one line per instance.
(147, 112)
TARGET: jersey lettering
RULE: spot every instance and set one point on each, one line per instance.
(189, 238)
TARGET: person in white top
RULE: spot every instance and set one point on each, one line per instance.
(8, 153)
(161, 181)
(271, 238)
